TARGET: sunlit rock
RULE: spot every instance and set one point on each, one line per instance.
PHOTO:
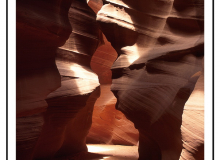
(114, 72)
(160, 54)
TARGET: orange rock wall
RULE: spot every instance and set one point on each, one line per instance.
(114, 72)
(160, 46)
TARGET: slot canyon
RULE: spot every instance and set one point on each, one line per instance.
(110, 79)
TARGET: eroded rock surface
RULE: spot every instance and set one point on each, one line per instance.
(55, 93)
(41, 28)
(69, 115)
(193, 124)
(160, 55)
(151, 55)
(109, 125)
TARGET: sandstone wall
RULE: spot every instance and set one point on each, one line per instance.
(71, 55)
(56, 88)
(160, 57)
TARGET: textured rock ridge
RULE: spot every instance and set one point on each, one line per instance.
(160, 55)
(116, 72)
(55, 93)
(69, 115)
(41, 28)
(109, 126)
(193, 124)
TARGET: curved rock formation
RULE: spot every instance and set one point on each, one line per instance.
(109, 126)
(69, 115)
(42, 27)
(193, 124)
(160, 55)
(151, 55)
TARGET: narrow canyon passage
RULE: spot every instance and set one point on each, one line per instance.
(111, 79)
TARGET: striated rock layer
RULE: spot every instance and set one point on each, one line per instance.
(54, 106)
(160, 54)
(69, 115)
(150, 54)
(109, 126)
(193, 124)
(41, 28)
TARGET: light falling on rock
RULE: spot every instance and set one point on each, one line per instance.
(110, 74)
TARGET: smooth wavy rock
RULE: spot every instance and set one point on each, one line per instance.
(69, 115)
(54, 106)
(41, 27)
(193, 124)
(150, 52)
(109, 126)
(160, 48)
